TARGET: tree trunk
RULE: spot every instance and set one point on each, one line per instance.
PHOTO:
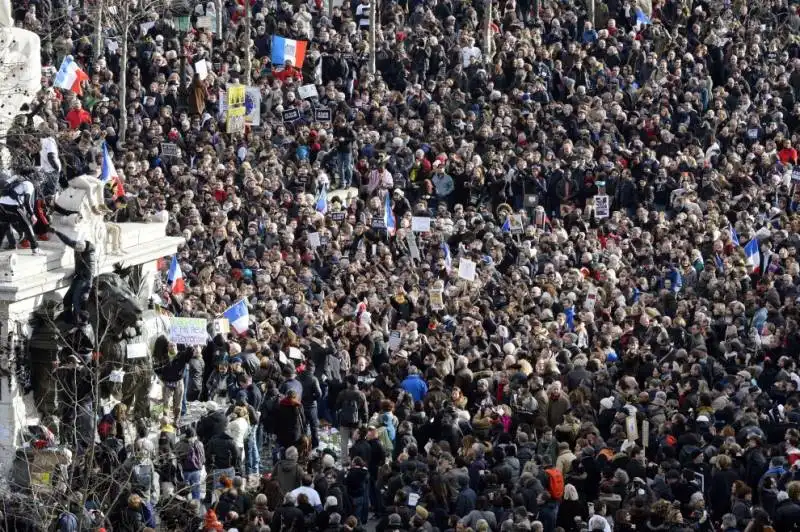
(487, 32)
(98, 35)
(248, 50)
(218, 7)
(123, 82)
(372, 30)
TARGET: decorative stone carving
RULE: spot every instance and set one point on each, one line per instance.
(83, 223)
(20, 71)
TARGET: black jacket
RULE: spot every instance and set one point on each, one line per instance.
(221, 452)
(285, 518)
(787, 515)
(311, 389)
(211, 425)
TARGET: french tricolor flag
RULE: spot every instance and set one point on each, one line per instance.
(70, 76)
(753, 255)
(108, 173)
(175, 277)
(238, 316)
(284, 49)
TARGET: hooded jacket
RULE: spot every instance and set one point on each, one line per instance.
(289, 421)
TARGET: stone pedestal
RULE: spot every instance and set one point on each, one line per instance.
(26, 280)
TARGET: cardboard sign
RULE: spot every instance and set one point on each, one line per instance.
(436, 295)
(337, 216)
(602, 206)
(295, 354)
(632, 428)
(252, 106)
(307, 91)
(188, 331)
(322, 115)
(591, 299)
(221, 326)
(515, 222)
(236, 96)
(136, 350)
(290, 115)
(204, 23)
(466, 269)
(201, 69)
(168, 149)
(314, 240)
(378, 223)
(421, 224)
(394, 340)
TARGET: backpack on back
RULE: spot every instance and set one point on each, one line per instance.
(348, 415)
(555, 483)
(194, 457)
(142, 477)
(106, 426)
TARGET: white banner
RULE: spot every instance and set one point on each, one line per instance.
(189, 331)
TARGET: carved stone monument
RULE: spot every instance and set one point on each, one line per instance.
(27, 280)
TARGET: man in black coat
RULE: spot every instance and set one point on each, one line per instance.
(287, 515)
(312, 392)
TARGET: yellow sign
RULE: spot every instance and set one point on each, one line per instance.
(236, 95)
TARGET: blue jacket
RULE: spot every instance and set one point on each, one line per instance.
(415, 386)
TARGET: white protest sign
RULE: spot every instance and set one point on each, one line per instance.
(632, 428)
(136, 350)
(437, 298)
(602, 206)
(466, 269)
(282, 358)
(204, 23)
(222, 326)
(189, 331)
(591, 298)
(394, 340)
(169, 149)
(421, 224)
(313, 240)
(515, 223)
(295, 354)
(307, 91)
(201, 69)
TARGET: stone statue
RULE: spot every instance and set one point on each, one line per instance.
(128, 338)
(20, 73)
(76, 216)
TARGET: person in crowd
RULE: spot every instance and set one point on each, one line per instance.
(521, 268)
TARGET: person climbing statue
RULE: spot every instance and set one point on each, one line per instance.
(85, 264)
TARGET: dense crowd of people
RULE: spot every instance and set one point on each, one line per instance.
(598, 330)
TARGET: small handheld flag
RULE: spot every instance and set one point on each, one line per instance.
(448, 258)
(388, 217)
(753, 255)
(284, 49)
(322, 200)
(238, 316)
(70, 76)
(734, 235)
(641, 18)
(569, 312)
(175, 277)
